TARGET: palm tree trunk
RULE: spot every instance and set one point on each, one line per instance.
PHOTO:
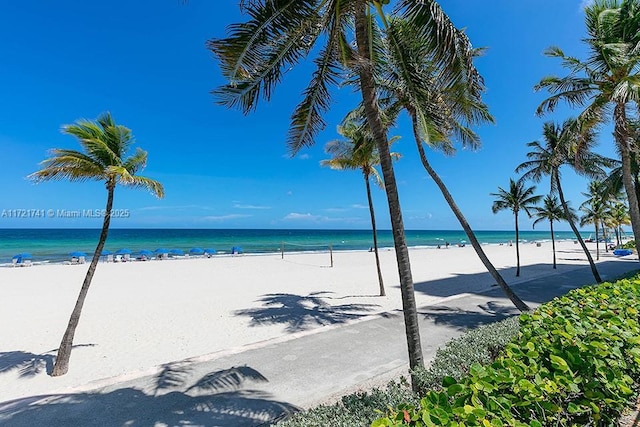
(375, 234)
(520, 305)
(64, 352)
(567, 214)
(553, 244)
(597, 241)
(604, 235)
(621, 135)
(517, 247)
(369, 99)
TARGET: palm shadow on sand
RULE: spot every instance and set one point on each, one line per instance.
(30, 364)
(300, 312)
(173, 398)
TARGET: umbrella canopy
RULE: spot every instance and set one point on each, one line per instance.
(23, 256)
(196, 251)
(162, 251)
(210, 251)
(77, 254)
(146, 252)
(176, 252)
(105, 252)
(123, 252)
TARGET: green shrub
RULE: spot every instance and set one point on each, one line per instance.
(481, 345)
(454, 359)
(577, 362)
(631, 244)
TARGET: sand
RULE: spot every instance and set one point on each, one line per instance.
(143, 314)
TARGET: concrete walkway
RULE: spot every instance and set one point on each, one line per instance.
(261, 382)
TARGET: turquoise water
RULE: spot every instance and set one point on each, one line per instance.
(55, 244)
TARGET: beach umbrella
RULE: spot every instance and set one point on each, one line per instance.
(210, 251)
(123, 252)
(176, 252)
(145, 252)
(162, 251)
(106, 252)
(196, 251)
(24, 255)
(77, 254)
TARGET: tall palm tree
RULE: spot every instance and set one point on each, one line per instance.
(104, 158)
(595, 210)
(607, 80)
(517, 198)
(564, 145)
(619, 216)
(279, 34)
(551, 211)
(359, 152)
(442, 106)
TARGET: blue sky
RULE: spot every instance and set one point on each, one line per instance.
(149, 67)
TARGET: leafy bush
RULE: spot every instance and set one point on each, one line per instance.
(481, 345)
(631, 244)
(577, 363)
(454, 359)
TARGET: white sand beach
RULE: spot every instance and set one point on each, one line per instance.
(142, 314)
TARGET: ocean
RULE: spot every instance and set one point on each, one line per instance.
(55, 245)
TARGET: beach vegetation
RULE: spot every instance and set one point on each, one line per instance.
(361, 408)
(595, 211)
(551, 211)
(277, 35)
(575, 361)
(442, 109)
(104, 157)
(605, 85)
(358, 151)
(565, 144)
(518, 198)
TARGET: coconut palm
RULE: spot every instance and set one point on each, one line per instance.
(358, 152)
(563, 145)
(595, 210)
(279, 34)
(517, 198)
(442, 106)
(618, 216)
(104, 158)
(551, 211)
(607, 81)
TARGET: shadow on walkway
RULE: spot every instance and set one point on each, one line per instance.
(300, 312)
(217, 399)
(464, 319)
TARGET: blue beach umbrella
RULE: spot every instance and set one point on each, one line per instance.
(145, 252)
(77, 254)
(105, 252)
(176, 252)
(123, 252)
(210, 251)
(162, 251)
(24, 255)
(196, 251)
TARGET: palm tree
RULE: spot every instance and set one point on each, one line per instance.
(105, 145)
(358, 151)
(564, 145)
(550, 211)
(280, 34)
(619, 216)
(608, 78)
(594, 212)
(519, 197)
(442, 106)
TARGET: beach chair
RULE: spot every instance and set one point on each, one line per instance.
(125, 258)
(14, 262)
(26, 263)
(110, 258)
(81, 260)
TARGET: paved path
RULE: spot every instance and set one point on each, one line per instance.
(263, 381)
